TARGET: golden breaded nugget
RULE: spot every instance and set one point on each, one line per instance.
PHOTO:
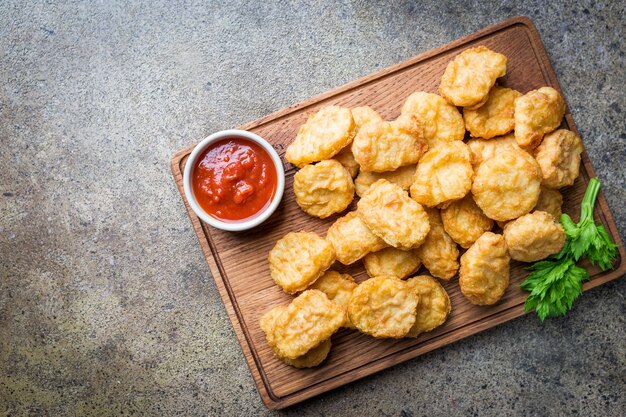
(559, 158)
(444, 174)
(383, 307)
(391, 215)
(507, 185)
(533, 237)
(322, 136)
(440, 120)
(386, 146)
(495, 117)
(469, 77)
(338, 288)
(345, 158)
(484, 273)
(352, 239)
(310, 359)
(536, 113)
(298, 259)
(438, 253)
(402, 176)
(433, 307)
(323, 189)
(391, 262)
(364, 115)
(550, 201)
(483, 149)
(465, 221)
(267, 323)
(310, 319)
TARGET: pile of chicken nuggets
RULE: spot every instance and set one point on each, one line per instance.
(430, 195)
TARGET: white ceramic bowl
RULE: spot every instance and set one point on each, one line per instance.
(239, 225)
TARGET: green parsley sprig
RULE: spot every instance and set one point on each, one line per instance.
(556, 282)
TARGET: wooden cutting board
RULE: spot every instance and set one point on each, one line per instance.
(238, 261)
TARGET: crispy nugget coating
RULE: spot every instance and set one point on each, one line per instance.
(440, 120)
(386, 146)
(345, 158)
(323, 189)
(391, 262)
(444, 174)
(310, 319)
(338, 288)
(322, 136)
(267, 323)
(550, 201)
(310, 359)
(533, 236)
(559, 158)
(507, 185)
(483, 149)
(352, 239)
(391, 215)
(298, 259)
(364, 115)
(439, 252)
(383, 307)
(495, 117)
(484, 273)
(536, 113)
(402, 176)
(433, 307)
(465, 222)
(469, 77)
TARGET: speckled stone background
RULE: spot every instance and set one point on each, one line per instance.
(106, 304)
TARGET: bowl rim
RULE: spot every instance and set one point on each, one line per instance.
(260, 217)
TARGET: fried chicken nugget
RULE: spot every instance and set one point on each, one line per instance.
(352, 239)
(364, 115)
(484, 273)
(310, 319)
(444, 174)
(534, 236)
(402, 176)
(383, 307)
(465, 222)
(298, 259)
(550, 201)
(433, 307)
(469, 77)
(385, 146)
(391, 262)
(440, 120)
(559, 158)
(507, 185)
(345, 158)
(495, 117)
(323, 189)
(536, 113)
(439, 253)
(310, 359)
(483, 149)
(391, 215)
(338, 288)
(322, 136)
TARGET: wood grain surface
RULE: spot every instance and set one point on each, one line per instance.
(238, 261)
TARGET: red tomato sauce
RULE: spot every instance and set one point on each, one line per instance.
(234, 179)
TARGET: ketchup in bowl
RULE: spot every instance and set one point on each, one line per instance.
(234, 179)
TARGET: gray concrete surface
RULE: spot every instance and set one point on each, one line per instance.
(106, 304)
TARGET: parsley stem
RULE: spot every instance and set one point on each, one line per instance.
(589, 200)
